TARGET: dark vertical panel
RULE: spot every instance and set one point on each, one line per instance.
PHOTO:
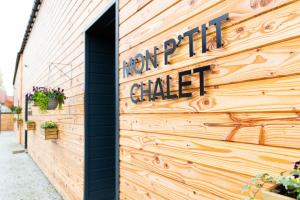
(117, 101)
(100, 109)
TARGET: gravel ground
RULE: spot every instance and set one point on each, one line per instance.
(20, 177)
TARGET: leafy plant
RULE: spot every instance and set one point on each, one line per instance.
(41, 100)
(288, 183)
(30, 122)
(41, 96)
(49, 124)
(60, 96)
(18, 110)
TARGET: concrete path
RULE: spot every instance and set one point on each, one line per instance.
(20, 177)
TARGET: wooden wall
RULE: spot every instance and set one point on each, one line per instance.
(58, 37)
(19, 98)
(7, 122)
(207, 147)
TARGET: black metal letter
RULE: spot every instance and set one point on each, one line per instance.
(190, 34)
(141, 58)
(144, 91)
(201, 71)
(126, 70)
(203, 35)
(152, 58)
(218, 22)
(158, 83)
(169, 51)
(184, 83)
(169, 95)
(132, 94)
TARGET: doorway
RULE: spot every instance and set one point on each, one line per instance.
(100, 109)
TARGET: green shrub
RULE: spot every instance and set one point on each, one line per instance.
(49, 124)
(18, 110)
(41, 100)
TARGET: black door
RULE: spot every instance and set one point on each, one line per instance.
(100, 109)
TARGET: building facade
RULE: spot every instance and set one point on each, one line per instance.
(176, 99)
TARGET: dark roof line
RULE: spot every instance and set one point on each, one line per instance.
(35, 9)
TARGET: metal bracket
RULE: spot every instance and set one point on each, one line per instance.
(55, 65)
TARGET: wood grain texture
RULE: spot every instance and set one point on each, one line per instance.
(154, 8)
(225, 184)
(280, 59)
(7, 122)
(279, 129)
(245, 159)
(248, 120)
(136, 191)
(57, 37)
(280, 94)
(187, 14)
(256, 32)
(131, 8)
(161, 185)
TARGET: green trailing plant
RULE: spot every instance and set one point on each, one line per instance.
(49, 124)
(287, 183)
(41, 100)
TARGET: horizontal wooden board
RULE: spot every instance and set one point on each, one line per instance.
(280, 59)
(279, 94)
(154, 8)
(222, 183)
(245, 159)
(131, 8)
(187, 14)
(256, 32)
(273, 129)
(160, 185)
(135, 191)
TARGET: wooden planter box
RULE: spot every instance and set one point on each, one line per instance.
(20, 122)
(50, 133)
(31, 126)
(268, 195)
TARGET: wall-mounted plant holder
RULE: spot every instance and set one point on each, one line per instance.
(31, 126)
(52, 104)
(49, 133)
(20, 122)
(269, 195)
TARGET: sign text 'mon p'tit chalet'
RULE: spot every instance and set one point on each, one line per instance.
(152, 90)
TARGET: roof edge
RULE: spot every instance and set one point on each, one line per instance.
(33, 15)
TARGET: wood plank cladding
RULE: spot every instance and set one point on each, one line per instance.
(58, 37)
(7, 122)
(208, 145)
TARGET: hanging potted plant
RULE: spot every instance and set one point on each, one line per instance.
(49, 130)
(286, 185)
(48, 99)
(30, 125)
(52, 100)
